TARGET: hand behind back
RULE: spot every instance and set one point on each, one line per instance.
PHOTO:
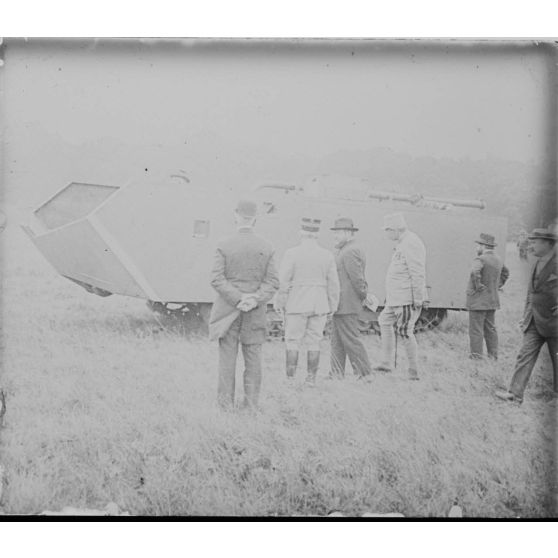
(247, 303)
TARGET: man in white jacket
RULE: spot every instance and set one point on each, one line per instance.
(405, 294)
(308, 292)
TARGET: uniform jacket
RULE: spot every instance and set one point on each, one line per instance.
(406, 274)
(542, 298)
(351, 264)
(488, 274)
(308, 281)
(243, 264)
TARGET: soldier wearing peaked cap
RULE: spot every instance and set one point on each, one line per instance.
(488, 274)
(351, 264)
(308, 292)
(245, 279)
(540, 317)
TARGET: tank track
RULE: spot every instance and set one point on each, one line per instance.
(196, 317)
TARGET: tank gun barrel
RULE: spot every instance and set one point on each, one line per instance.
(286, 187)
(476, 204)
(416, 199)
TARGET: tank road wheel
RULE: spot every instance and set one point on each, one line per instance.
(202, 310)
(367, 326)
(275, 326)
(168, 308)
(368, 321)
(192, 317)
(430, 318)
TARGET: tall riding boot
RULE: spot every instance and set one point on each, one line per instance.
(313, 363)
(292, 360)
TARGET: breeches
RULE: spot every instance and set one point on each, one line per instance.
(307, 328)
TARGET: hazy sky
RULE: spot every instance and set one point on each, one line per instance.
(303, 99)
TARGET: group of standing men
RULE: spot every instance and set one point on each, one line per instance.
(312, 283)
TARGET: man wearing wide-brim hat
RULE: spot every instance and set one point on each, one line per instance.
(245, 279)
(488, 274)
(540, 317)
(345, 337)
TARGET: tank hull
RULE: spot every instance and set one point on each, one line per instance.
(156, 239)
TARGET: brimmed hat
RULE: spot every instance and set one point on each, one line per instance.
(486, 240)
(344, 224)
(545, 234)
(395, 221)
(310, 225)
(247, 208)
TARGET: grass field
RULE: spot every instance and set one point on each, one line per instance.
(106, 403)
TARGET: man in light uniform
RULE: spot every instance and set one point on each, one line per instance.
(405, 294)
(245, 279)
(308, 292)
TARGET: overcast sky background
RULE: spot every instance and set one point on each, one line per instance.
(451, 102)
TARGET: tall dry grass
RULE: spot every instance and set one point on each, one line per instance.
(106, 403)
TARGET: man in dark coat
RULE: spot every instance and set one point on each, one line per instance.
(351, 264)
(245, 278)
(540, 318)
(488, 274)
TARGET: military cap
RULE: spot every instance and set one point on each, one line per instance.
(310, 225)
(394, 221)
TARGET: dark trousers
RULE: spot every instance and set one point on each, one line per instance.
(228, 351)
(482, 327)
(345, 342)
(527, 357)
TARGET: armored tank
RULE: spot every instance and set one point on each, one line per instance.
(155, 239)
